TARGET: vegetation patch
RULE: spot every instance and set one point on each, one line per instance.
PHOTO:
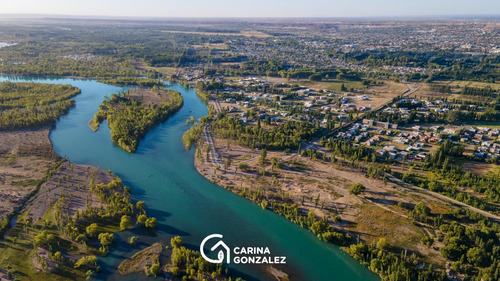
(133, 113)
(142, 260)
(132, 81)
(32, 105)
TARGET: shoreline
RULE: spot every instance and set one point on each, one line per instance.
(326, 185)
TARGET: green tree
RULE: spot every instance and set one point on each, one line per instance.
(151, 223)
(227, 164)
(276, 164)
(382, 243)
(92, 230)
(357, 189)
(420, 212)
(125, 222)
(133, 240)
(106, 239)
(44, 239)
(263, 155)
(141, 219)
(477, 256)
(243, 166)
(140, 205)
(155, 269)
(81, 238)
(176, 242)
(176, 271)
(89, 261)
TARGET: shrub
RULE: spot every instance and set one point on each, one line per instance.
(357, 189)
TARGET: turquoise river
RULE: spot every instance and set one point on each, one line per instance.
(162, 174)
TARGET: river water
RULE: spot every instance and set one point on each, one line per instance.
(162, 174)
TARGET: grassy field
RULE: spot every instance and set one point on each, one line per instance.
(17, 252)
(331, 84)
(473, 84)
(400, 231)
(494, 172)
(492, 124)
(336, 85)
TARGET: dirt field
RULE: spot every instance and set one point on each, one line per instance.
(25, 157)
(424, 92)
(139, 64)
(379, 95)
(72, 181)
(332, 85)
(370, 216)
(478, 168)
(149, 96)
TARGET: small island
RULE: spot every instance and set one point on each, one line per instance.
(178, 263)
(131, 114)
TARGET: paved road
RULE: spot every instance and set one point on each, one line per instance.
(216, 104)
(214, 156)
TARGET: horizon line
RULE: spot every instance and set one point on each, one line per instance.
(110, 17)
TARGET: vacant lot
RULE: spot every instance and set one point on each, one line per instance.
(25, 157)
(323, 188)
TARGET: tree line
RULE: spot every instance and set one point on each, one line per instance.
(32, 105)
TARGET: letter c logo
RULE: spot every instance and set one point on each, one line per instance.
(220, 255)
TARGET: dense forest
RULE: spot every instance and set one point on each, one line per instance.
(130, 118)
(31, 105)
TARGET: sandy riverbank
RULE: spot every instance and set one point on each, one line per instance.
(323, 188)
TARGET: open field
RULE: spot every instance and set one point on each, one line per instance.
(332, 85)
(168, 71)
(381, 94)
(149, 97)
(25, 157)
(71, 181)
(473, 84)
(303, 180)
(245, 33)
(493, 125)
(479, 168)
(215, 46)
(424, 92)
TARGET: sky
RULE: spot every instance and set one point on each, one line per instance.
(253, 8)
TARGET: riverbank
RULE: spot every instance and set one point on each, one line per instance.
(42, 192)
(321, 187)
(48, 203)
